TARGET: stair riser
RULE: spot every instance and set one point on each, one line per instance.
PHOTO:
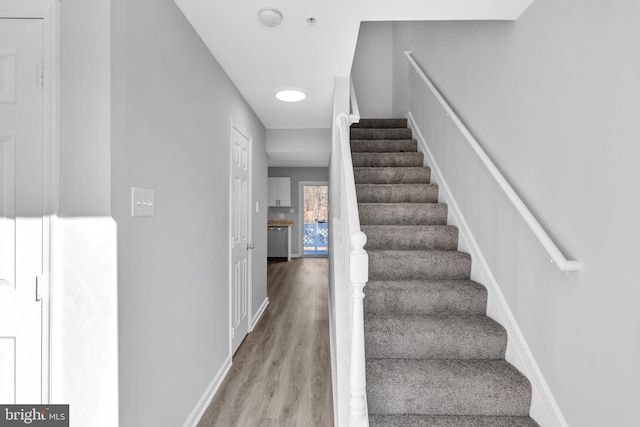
(430, 298)
(446, 387)
(384, 146)
(380, 123)
(397, 193)
(408, 214)
(434, 337)
(410, 265)
(387, 159)
(392, 175)
(441, 237)
(433, 356)
(378, 134)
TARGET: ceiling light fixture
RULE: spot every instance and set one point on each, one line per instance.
(270, 17)
(290, 95)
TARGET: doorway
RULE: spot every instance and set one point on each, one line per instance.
(314, 212)
(24, 237)
(240, 229)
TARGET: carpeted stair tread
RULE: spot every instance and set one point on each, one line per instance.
(397, 193)
(392, 175)
(434, 337)
(442, 237)
(384, 145)
(387, 159)
(381, 133)
(402, 213)
(416, 264)
(433, 356)
(425, 297)
(446, 387)
(380, 123)
(449, 421)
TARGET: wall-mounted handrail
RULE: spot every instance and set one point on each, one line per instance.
(556, 256)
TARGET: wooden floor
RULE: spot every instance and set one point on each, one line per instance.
(281, 374)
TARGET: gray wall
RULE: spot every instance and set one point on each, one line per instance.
(144, 103)
(173, 106)
(372, 69)
(84, 283)
(553, 98)
(297, 175)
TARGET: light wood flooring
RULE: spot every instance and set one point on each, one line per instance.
(281, 374)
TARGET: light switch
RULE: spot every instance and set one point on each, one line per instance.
(292, 211)
(143, 202)
(257, 207)
(281, 216)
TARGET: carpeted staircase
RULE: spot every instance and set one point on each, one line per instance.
(433, 357)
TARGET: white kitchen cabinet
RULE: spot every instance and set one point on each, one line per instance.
(280, 192)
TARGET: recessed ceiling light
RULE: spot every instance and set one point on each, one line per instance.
(290, 95)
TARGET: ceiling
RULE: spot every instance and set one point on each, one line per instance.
(295, 55)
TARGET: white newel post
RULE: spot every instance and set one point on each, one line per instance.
(358, 276)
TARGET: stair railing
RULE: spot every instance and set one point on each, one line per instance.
(354, 117)
(557, 257)
(349, 269)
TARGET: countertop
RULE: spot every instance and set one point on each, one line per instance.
(280, 223)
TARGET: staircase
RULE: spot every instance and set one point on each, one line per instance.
(433, 358)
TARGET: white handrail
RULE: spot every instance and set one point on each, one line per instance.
(342, 121)
(349, 269)
(556, 256)
(354, 117)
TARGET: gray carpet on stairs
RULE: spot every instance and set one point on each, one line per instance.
(433, 356)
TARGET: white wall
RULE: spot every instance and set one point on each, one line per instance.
(298, 147)
(553, 98)
(173, 106)
(296, 175)
(372, 69)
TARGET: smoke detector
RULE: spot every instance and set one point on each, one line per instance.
(270, 17)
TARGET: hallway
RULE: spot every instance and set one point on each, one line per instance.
(281, 374)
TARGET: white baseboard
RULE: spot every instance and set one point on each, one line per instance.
(259, 313)
(207, 397)
(544, 409)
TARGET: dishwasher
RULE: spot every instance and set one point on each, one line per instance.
(277, 241)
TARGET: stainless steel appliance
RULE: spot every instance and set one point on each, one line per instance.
(277, 241)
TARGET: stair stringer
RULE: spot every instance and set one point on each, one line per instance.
(544, 409)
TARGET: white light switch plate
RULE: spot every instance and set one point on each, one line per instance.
(280, 216)
(143, 202)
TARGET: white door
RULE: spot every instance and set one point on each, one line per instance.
(240, 236)
(21, 209)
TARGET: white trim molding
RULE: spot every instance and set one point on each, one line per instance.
(544, 408)
(256, 318)
(209, 393)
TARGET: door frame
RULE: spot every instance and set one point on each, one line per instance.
(301, 186)
(48, 11)
(236, 127)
